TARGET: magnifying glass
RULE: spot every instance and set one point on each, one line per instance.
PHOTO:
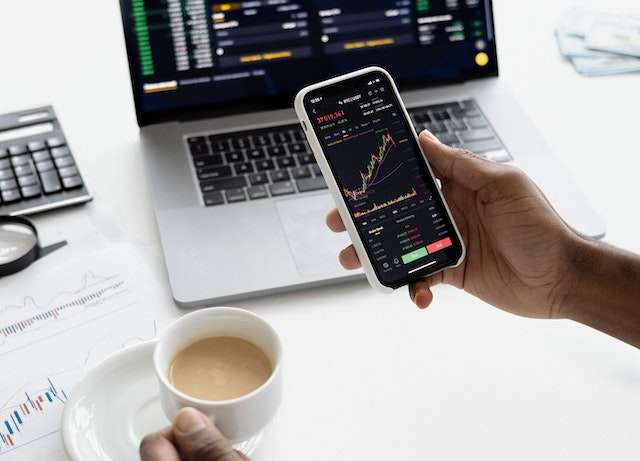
(19, 245)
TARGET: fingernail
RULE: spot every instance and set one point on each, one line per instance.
(189, 420)
(427, 134)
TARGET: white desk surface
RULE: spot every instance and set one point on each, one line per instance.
(369, 377)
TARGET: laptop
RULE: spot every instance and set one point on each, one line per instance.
(239, 200)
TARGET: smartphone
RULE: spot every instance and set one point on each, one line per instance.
(384, 189)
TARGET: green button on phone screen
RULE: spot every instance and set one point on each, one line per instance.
(414, 255)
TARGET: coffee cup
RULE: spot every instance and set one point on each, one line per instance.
(241, 418)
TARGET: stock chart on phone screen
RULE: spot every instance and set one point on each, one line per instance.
(383, 178)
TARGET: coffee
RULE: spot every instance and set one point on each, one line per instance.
(219, 368)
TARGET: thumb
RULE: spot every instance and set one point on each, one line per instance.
(197, 439)
(457, 165)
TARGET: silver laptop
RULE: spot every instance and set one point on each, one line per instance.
(239, 200)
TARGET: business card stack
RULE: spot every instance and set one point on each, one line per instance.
(599, 44)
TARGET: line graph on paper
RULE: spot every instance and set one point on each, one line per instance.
(31, 318)
(30, 410)
(56, 324)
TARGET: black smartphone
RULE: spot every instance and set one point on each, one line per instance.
(385, 191)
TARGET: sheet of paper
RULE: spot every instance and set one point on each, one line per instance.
(621, 36)
(56, 322)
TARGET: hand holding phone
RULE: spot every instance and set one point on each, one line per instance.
(385, 192)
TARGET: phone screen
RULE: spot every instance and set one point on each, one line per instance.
(383, 178)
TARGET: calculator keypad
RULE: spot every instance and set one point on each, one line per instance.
(37, 172)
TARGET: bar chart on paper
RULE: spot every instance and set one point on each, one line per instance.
(24, 414)
(51, 336)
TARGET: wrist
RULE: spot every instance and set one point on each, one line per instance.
(583, 257)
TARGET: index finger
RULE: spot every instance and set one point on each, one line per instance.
(334, 221)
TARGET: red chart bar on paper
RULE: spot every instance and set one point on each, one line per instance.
(439, 245)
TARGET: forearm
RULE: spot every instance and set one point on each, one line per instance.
(605, 293)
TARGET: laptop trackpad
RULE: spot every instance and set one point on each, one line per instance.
(313, 246)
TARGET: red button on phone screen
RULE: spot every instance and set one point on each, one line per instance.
(439, 245)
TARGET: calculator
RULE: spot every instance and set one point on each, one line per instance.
(37, 168)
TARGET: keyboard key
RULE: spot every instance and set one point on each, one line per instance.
(243, 168)
(279, 175)
(436, 127)
(315, 169)
(197, 140)
(11, 195)
(441, 115)
(223, 184)
(256, 154)
(298, 135)
(41, 156)
(4, 164)
(483, 146)
(213, 199)
(301, 172)
(476, 135)
(448, 138)
(55, 142)
(477, 122)
(235, 195)
(3, 153)
(276, 151)
(286, 162)
(24, 170)
(35, 146)
(198, 150)
(214, 172)
(309, 184)
(68, 171)
(208, 160)
(257, 192)
(6, 174)
(17, 150)
(282, 188)
(262, 140)
(219, 145)
(8, 184)
(298, 148)
(234, 157)
(50, 182)
(306, 159)
(21, 160)
(64, 162)
(282, 137)
(29, 180)
(264, 165)
(31, 191)
(422, 118)
(59, 152)
(258, 178)
(240, 143)
(455, 125)
(72, 182)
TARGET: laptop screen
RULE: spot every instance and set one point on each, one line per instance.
(186, 55)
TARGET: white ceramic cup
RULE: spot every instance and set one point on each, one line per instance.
(239, 419)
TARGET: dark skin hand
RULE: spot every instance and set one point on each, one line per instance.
(192, 437)
(521, 257)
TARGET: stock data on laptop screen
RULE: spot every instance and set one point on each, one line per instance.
(206, 53)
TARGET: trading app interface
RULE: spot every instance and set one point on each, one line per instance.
(202, 52)
(383, 179)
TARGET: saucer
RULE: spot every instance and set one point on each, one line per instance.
(114, 406)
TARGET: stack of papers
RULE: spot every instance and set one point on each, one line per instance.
(600, 44)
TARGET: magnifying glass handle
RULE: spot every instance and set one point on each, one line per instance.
(51, 248)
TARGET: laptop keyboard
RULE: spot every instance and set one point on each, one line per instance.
(273, 162)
